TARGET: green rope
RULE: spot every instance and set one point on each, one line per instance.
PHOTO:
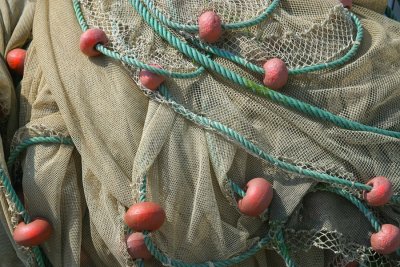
(263, 16)
(230, 26)
(205, 61)
(129, 60)
(140, 263)
(302, 70)
(356, 202)
(35, 140)
(12, 195)
(252, 86)
(282, 248)
(237, 189)
(253, 149)
(164, 259)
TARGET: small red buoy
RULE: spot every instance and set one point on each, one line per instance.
(276, 74)
(387, 240)
(32, 234)
(136, 246)
(145, 216)
(210, 27)
(347, 3)
(258, 197)
(16, 60)
(151, 80)
(89, 40)
(380, 193)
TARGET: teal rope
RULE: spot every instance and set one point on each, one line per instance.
(129, 60)
(140, 263)
(395, 199)
(221, 263)
(41, 260)
(333, 64)
(336, 63)
(35, 140)
(283, 250)
(254, 87)
(12, 195)
(356, 202)
(178, 263)
(237, 189)
(194, 28)
(253, 149)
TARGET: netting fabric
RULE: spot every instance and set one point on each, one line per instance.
(188, 142)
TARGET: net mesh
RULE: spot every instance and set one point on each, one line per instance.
(121, 135)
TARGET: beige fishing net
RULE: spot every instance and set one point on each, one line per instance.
(122, 133)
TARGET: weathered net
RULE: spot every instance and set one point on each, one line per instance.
(123, 133)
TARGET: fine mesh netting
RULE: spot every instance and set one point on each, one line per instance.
(122, 133)
(302, 34)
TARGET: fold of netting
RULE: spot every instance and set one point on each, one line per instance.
(184, 145)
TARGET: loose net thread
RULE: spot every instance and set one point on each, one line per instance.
(166, 36)
(250, 85)
(231, 11)
(275, 234)
(323, 38)
(278, 236)
(40, 258)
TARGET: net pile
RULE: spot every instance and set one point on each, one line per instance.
(175, 137)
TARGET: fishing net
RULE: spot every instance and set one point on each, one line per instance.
(208, 130)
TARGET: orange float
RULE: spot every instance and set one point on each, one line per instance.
(258, 197)
(34, 233)
(145, 216)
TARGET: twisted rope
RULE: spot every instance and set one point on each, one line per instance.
(165, 260)
(41, 259)
(194, 28)
(253, 149)
(130, 60)
(254, 87)
(282, 248)
(205, 61)
(302, 70)
(356, 202)
(35, 140)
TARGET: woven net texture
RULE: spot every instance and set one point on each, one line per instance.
(122, 133)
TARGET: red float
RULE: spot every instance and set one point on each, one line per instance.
(387, 240)
(210, 27)
(145, 216)
(381, 191)
(151, 80)
(136, 246)
(89, 40)
(32, 234)
(347, 3)
(16, 60)
(276, 74)
(352, 264)
(258, 197)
